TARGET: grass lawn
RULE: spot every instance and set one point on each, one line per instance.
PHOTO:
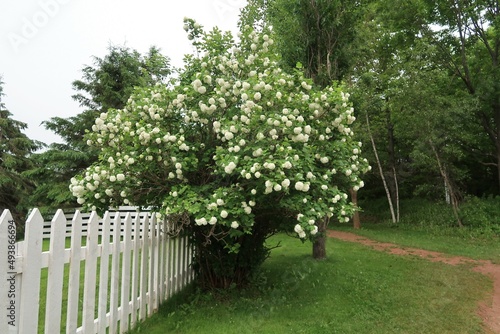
(355, 290)
(453, 242)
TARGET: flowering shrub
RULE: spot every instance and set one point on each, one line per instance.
(232, 139)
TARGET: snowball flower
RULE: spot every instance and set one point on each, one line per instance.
(297, 228)
(230, 167)
(299, 185)
(314, 230)
(285, 183)
(200, 221)
(120, 177)
(223, 214)
(257, 152)
(234, 224)
(212, 221)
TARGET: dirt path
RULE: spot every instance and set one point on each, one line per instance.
(488, 310)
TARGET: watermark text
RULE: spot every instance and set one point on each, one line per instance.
(32, 24)
(11, 273)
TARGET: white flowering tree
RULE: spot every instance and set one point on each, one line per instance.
(233, 150)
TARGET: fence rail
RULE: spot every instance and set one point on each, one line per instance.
(115, 272)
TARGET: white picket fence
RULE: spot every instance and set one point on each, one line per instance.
(115, 272)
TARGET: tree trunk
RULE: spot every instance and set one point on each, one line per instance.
(356, 223)
(387, 191)
(496, 111)
(319, 244)
(396, 190)
(449, 185)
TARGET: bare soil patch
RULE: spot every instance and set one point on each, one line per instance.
(488, 310)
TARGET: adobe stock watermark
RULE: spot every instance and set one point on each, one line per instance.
(225, 7)
(32, 24)
(11, 273)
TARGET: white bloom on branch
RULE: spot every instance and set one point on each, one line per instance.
(230, 167)
(314, 230)
(297, 228)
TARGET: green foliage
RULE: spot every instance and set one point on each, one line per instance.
(435, 220)
(482, 214)
(110, 81)
(319, 34)
(15, 151)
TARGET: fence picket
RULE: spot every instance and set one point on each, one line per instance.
(74, 274)
(171, 258)
(152, 247)
(30, 279)
(144, 268)
(161, 258)
(125, 291)
(115, 277)
(155, 270)
(135, 269)
(89, 288)
(55, 274)
(104, 274)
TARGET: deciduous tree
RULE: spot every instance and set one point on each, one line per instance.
(234, 150)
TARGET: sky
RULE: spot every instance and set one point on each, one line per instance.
(44, 44)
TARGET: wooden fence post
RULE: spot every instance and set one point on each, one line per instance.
(74, 273)
(90, 274)
(30, 279)
(55, 278)
(125, 281)
(104, 273)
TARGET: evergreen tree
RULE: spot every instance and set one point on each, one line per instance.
(15, 151)
(107, 84)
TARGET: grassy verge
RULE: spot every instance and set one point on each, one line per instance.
(355, 290)
(428, 226)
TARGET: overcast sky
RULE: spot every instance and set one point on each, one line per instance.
(44, 44)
